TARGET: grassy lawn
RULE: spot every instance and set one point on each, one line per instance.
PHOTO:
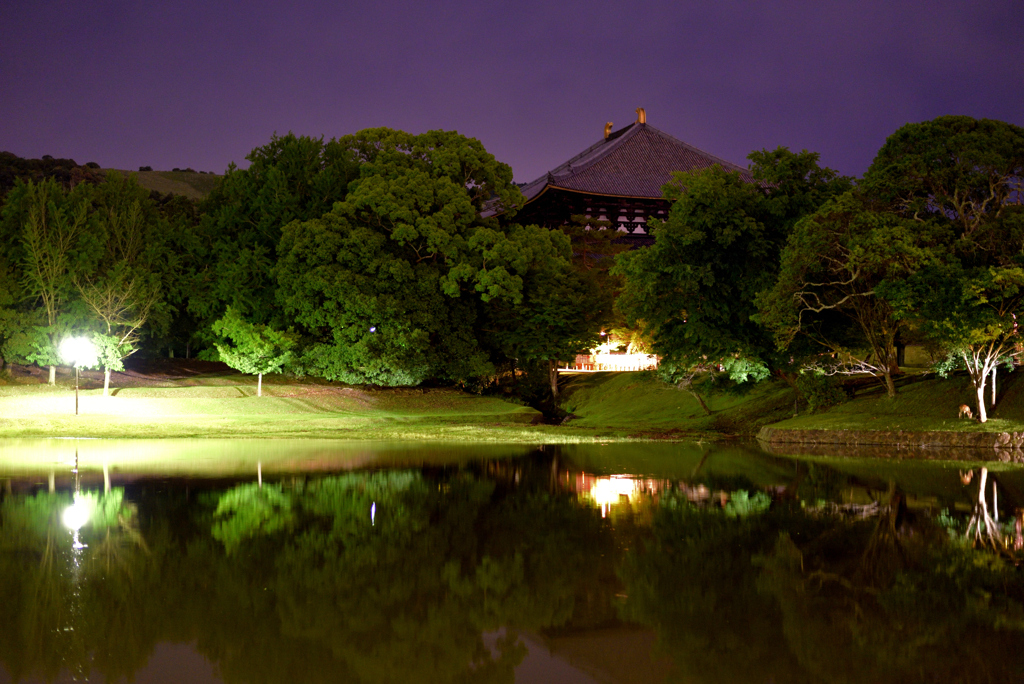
(226, 405)
(606, 406)
(639, 403)
(927, 405)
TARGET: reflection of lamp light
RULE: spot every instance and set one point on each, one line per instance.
(77, 514)
(78, 351)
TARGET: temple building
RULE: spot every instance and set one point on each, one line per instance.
(617, 179)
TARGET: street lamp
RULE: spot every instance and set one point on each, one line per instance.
(78, 351)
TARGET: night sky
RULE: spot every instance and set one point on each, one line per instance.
(199, 84)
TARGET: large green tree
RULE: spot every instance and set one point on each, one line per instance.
(46, 230)
(291, 178)
(694, 289)
(122, 292)
(966, 175)
(561, 312)
(831, 268)
(394, 284)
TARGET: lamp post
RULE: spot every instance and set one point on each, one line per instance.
(78, 351)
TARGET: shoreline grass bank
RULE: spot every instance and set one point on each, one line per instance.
(214, 402)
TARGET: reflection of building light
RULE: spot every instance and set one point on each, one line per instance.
(607, 490)
(77, 514)
(610, 490)
(614, 489)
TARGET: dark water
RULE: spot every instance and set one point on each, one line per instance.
(234, 561)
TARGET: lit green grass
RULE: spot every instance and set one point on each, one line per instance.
(924, 406)
(639, 403)
(228, 407)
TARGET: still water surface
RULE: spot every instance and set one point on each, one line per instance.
(308, 561)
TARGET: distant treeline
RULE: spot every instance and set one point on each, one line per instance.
(65, 171)
(367, 259)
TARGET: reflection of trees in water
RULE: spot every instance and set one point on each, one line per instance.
(70, 608)
(395, 576)
(817, 598)
(407, 595)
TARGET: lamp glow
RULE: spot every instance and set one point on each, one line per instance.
(78, 351)
(77, 514)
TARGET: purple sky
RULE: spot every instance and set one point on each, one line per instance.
(200, 84)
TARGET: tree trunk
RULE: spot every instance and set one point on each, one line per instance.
(994, 369)
(980, 388)
(791, 381)
(707, 411)
(106, 382)
(53, 375)
(259, 386)
(890, 387)
(553, 378)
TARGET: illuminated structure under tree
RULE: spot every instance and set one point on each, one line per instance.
(618, 179)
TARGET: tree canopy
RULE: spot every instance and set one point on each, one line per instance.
(395, 283)
(694, 289)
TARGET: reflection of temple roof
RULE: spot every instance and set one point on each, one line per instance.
(635, 161)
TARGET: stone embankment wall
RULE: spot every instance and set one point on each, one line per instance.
(1001, 446)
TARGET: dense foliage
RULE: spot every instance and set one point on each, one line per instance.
(808, 272)
(375, 251)
(371, 248)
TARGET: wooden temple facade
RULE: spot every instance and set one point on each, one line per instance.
(617, 179)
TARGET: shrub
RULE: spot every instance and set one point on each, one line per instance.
(145, 168)
(820, 391)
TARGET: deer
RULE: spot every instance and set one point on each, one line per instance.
(965, 410)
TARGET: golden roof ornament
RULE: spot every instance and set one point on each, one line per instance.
(641, 116)
(607, 130)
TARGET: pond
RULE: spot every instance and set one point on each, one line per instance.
(321, 561)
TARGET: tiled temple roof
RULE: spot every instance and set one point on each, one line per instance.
(635, 161)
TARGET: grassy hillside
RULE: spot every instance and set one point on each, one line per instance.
(638, 403)
(224, 404)
(188, 183)
(929, 404)
(212, 401)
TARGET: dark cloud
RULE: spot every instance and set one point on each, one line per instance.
(200, 84)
